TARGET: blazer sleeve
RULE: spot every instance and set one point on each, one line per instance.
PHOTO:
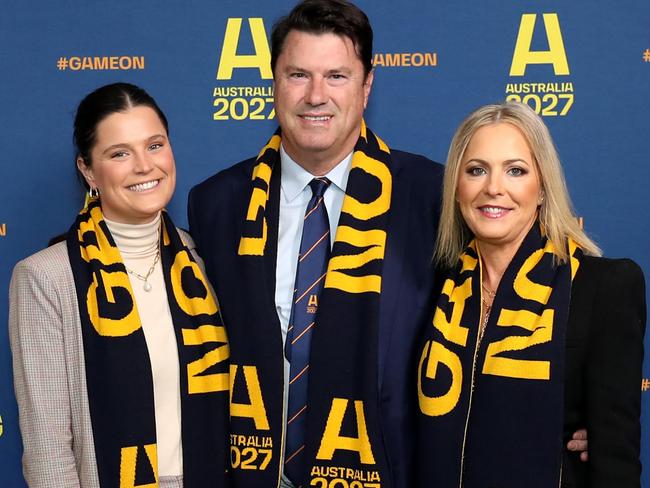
(613, 376)
(40, 380)
(193, 218)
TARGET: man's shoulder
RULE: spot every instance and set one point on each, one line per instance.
(416, 162)
(417, 172)
(228, 179)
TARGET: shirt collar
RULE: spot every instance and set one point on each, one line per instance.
(294, 178)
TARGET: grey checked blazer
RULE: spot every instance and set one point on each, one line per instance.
(49, 372)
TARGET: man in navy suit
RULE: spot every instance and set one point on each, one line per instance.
(322, 82)
(321, 60)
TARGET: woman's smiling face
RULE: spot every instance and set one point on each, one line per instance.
(132, 165)
(499, 187)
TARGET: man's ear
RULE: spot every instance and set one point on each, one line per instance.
(367, 86)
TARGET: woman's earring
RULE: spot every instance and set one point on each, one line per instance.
(93, 192)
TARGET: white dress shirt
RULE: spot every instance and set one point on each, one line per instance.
(295, 194)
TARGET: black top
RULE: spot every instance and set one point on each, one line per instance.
(604, 354)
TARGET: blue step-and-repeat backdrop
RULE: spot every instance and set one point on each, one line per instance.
(584, 65)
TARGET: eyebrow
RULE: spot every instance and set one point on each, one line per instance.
(507, 161)
(293, 67)
(126, 144)
(341, 69)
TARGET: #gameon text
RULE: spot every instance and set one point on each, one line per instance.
(100, 63)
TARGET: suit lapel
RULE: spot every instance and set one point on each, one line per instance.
(393, 266)
(273, 222)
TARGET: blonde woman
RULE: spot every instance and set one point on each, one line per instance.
(534, 334)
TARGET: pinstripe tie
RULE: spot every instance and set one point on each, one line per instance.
(310, 276)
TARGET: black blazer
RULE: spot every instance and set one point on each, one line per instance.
(604, 354)
(216, 211)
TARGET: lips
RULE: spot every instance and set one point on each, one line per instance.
(493, 212)
(147, 185)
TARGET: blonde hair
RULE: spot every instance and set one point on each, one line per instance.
(556, 215)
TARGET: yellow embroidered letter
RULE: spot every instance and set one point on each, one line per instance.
(105, 326)
(375, 242)
(254, 246)
(439, 354)
(255, 409)
(128, 461)
(196, 305)
(209, 382)
(333, 440)
(435, 353)
(541, 327)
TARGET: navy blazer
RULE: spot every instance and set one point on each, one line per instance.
(216, 210)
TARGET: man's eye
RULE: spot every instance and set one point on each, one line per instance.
(155, 145)
(337, 78)
(119, 154)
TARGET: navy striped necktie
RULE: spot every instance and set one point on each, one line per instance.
(310, 276)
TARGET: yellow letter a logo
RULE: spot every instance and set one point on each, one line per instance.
(555, 55)
(229, 57)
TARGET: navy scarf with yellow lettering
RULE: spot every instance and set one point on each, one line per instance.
(344, 442)
(118, 371)
(491, 403)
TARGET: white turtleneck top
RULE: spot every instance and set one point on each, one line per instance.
(138, 245)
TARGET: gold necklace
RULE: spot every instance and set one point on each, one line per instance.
(487, 308)
(491, 293)
(146, 286)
